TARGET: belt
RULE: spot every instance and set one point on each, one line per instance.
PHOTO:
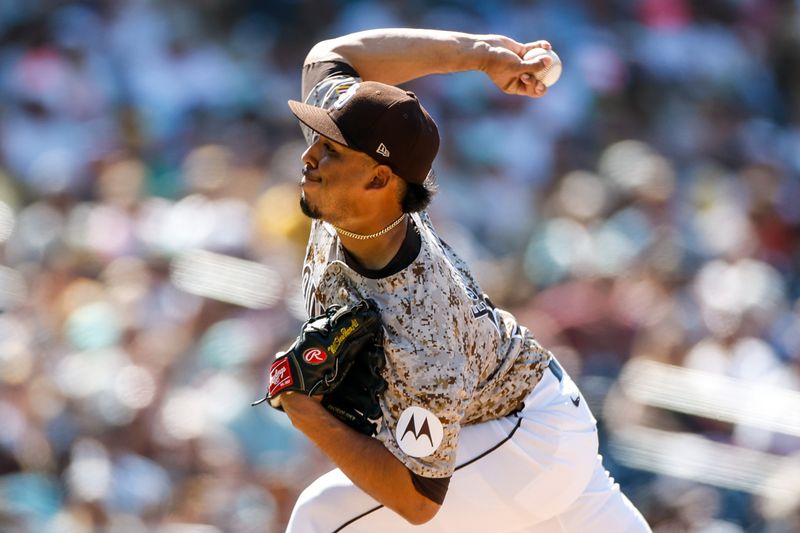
(556, 369)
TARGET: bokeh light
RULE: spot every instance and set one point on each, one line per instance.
(7, 221)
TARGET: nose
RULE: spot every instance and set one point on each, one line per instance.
(310, 157)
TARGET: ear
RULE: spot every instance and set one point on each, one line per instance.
(381, 178)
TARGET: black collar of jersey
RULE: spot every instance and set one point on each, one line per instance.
(406, 255)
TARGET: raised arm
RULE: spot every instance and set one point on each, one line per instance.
(397, 55)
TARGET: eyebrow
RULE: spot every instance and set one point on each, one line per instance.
(336, 144)
(344, 148)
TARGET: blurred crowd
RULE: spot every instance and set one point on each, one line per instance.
(648, 207)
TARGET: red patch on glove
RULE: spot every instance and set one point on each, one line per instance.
(280, 376)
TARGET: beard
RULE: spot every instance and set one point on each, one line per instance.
(309, 210)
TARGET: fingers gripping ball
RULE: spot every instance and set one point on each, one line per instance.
(550, 74)
(326, 349)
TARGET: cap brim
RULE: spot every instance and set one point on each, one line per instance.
(318, 120)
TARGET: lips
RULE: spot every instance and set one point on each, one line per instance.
(308, 177)
(309, 181)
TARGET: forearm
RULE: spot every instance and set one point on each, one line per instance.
(397, 55)
(363, 459)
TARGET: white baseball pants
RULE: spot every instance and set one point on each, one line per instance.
(544, 477)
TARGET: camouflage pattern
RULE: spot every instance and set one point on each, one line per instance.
(448, 349)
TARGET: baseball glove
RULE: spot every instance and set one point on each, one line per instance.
(355, 401)
(328, 345)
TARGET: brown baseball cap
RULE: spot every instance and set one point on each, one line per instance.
(382, 121)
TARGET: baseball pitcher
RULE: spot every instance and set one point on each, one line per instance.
(441, 412)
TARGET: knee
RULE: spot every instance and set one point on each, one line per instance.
(327, 503)
(306, 515)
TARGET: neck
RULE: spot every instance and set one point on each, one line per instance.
(366, 237)
(374, 250)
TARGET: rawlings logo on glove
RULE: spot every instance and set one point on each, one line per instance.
(314, 356)
(280, 376)
(328, 345)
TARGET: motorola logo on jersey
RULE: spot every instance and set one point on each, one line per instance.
(419, 433)
(314, 356)
(424, 430)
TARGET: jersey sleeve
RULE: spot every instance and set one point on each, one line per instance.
(429, 379)
(315, 73)
(434, 489)
(323, 83)
(422, 416)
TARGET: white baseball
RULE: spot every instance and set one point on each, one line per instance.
(551, 74)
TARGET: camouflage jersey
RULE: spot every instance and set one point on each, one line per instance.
(452, 358)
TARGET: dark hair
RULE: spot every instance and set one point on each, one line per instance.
(416, 196)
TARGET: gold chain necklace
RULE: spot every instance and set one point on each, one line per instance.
(360, 237)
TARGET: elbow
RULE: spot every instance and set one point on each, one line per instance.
(421, 511)
(324, 51)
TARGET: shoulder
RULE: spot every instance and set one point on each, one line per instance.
(321, 77)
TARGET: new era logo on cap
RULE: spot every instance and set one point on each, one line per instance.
(383, 150)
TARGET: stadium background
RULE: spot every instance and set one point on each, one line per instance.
(643, 219)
